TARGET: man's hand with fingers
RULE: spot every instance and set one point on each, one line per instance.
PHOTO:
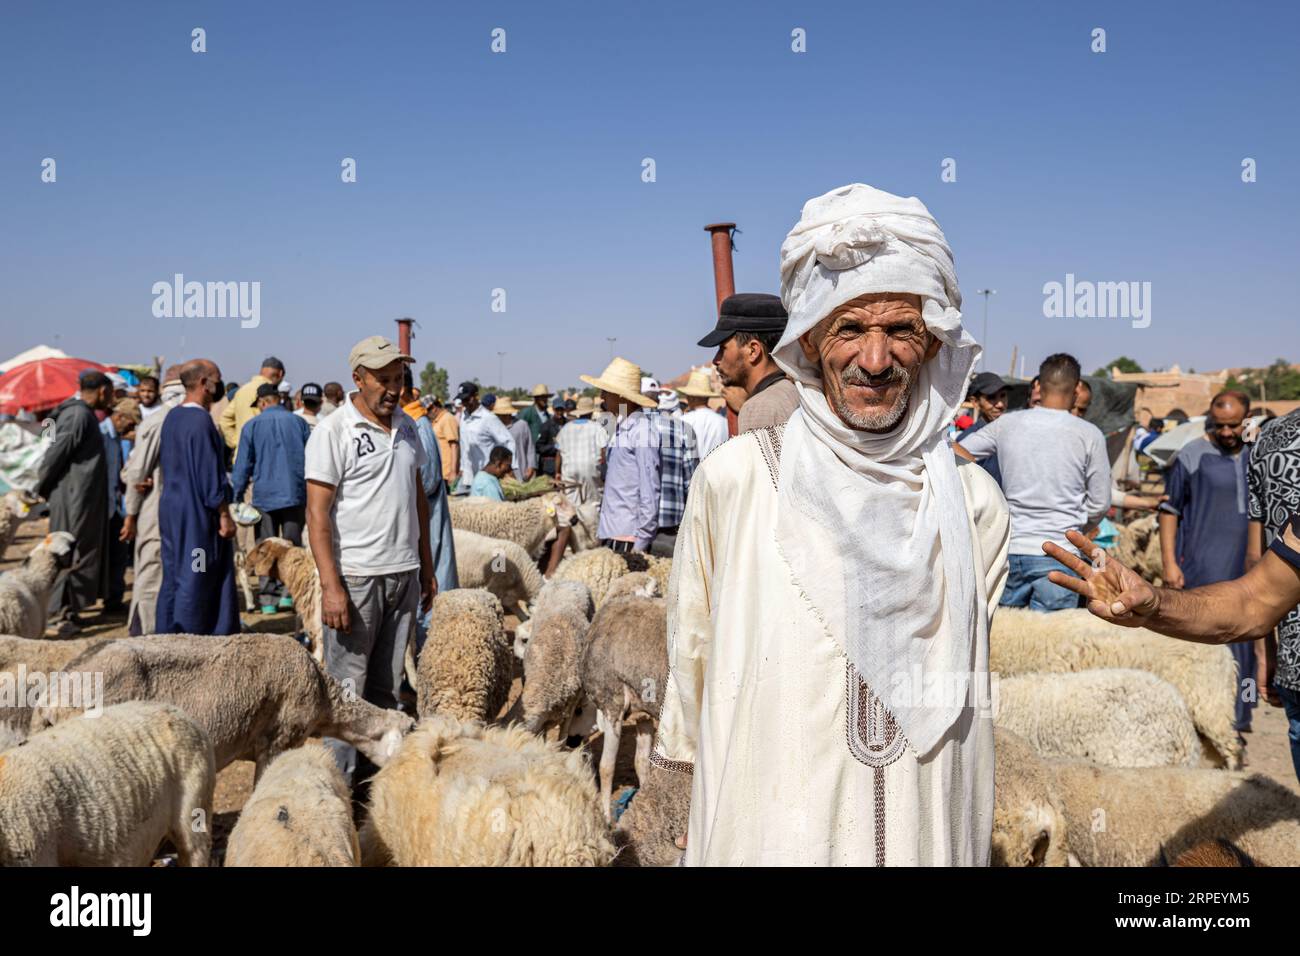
(1114, 592)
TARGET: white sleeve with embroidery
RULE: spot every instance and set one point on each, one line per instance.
(690, 634)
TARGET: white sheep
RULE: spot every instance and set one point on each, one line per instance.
(1138, 547)
(14, 510)
(25, 591)
(1023, 641)
(554, 647)
(256, 695)
(300, 814)
(647, 832)
(1029, 827)
(496, 565)
(106, 790)
(599, 568)
(461, 794)
(530, 523)
(467, 665)
(1118, 816)
(1116, 718)
(623, 673)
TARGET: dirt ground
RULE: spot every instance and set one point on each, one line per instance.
(1267, 750)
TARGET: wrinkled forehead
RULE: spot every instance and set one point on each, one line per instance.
(875, 309)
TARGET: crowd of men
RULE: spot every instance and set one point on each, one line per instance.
(842, 542)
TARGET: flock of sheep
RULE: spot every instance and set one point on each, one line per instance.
(1114, 746)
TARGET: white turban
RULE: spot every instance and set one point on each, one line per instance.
(874, 525)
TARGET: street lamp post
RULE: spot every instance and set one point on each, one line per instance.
(501, 370)
(984, 341)
(611, 342)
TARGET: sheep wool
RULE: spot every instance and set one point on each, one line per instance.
(496, 565)
(300, 814)
(1023, 641)
(1119, 816)
(648, 830)
(105, 791)
(624, 673)
(467, 664)
(260, 694)
(1029, 827)
(556, 643)
(13, 512)
(461, 794)
(25, 591)
(281, 559)
(597, 569)
(529, 524)
(1116, 718)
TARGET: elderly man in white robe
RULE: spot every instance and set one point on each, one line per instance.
(833, 578)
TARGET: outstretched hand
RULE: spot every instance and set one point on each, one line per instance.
(1114, 592)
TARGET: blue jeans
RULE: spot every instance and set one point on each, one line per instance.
(1027, 584)
(1291, 703)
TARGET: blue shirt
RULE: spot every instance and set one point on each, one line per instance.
(272, 454)
(113, 462)
(630, 506)
(1207, 490)
(486, 486)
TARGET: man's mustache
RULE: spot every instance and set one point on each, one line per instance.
(856, 375)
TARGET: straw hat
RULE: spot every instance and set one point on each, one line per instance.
(585, 406)
(540, 391)
(623, 379)
(699, 385)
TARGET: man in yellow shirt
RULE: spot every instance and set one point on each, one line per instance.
(243, 406)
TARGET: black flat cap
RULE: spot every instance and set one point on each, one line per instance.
(986, 383)
(265, 390)
(754, 312)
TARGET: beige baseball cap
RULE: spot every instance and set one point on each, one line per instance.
(375, 352)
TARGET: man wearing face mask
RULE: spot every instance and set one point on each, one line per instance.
(197, 595)
(1204, 521)
(143, 479)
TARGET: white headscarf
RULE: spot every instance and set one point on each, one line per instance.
(874, 526)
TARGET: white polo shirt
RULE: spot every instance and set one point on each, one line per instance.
(376, 476)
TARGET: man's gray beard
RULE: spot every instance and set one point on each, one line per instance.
(880, 421)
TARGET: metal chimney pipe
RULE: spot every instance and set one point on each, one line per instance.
(724, 279)
(404, 335)
(724, 284)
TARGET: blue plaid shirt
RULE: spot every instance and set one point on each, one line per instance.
(678, 458)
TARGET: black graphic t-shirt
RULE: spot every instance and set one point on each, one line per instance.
(1274, 480)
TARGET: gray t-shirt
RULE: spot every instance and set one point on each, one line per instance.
(1055, 473)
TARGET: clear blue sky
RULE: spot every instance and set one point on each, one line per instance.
(523, 170)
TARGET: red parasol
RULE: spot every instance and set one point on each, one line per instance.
(41, 385)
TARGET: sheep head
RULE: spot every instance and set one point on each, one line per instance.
(375, 731)
(262, 557)
(1029, 826)
(57, 545)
